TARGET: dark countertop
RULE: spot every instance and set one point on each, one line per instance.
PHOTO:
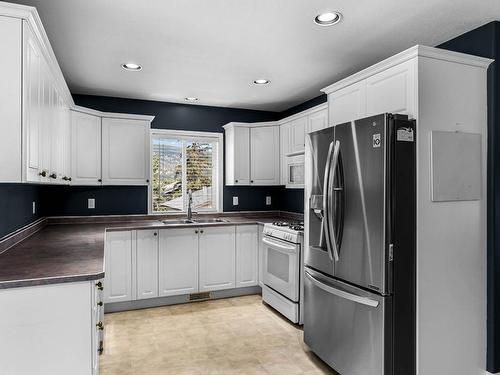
(74, 251)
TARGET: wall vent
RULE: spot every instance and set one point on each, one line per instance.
(199, 296)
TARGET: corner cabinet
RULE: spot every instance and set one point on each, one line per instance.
(118, 263)
(252, 154)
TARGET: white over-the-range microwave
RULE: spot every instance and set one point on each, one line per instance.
(295, 171)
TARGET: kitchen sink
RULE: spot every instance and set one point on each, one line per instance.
(194, 221)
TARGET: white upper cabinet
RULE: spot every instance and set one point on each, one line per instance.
(264, 155)
(284, 150)
(297, 135)
(347, 104)
(178, 261)
(237, 155)
(252, 154)
(247, 255)
(147, 263)
(85, 149)
(125, 151)
(118, 272)
(317, 121)
(392, 90)
(217, 257)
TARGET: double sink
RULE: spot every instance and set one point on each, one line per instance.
(213, 220)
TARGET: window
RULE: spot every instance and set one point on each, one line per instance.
(183, 161)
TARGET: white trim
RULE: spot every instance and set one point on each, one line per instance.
(250, 124)
(196, 135)
(410, 53)
(95, 112)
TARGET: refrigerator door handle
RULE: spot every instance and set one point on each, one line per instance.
(341, 293)
(331, 229)
(326, 195)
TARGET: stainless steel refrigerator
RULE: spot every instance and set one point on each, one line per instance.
(359, 313)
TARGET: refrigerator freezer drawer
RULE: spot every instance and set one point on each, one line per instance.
(349, 328)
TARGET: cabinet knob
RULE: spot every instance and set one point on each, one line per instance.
(236, 181)
(99, 285)
(99, 180)
(251, 181)
(100, 326)
(196, 231)
(53, 175)
(147, 181)
(201, 231)
(43, 173)
(99, 303)
(155, 234)
(100, 350)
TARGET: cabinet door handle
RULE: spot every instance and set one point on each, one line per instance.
(100, 326)
(53, 175)
(42, 173)
(99, 285)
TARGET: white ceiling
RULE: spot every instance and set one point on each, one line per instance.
(214, 49)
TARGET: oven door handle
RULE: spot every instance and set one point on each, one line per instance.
(341, 293)
(278, 245)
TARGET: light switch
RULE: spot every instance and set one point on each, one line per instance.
(268, 201)
(235, 201)
(91, 204)
(34, 207)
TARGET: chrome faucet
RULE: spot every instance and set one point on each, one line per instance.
(190, 202)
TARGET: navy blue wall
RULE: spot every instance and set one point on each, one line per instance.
(485, 41)
(16, 208)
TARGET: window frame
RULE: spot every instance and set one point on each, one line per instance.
(192, 136)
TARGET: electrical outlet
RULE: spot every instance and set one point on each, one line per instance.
(235, 201)
(268, 201)
(91, 203)
(34, 207)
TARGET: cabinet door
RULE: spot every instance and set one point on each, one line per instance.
(284, 150)
(85, 149)
(217, 258)
(118, 272)
(32, 105)
(298, 134)
(178, 268)
(265, 155)
(317, 121)
(393, 90)
(261, 255)
(125, 151)
(246, 255)
(237, 155)
(347, 104)
(46, 121)
(147, 264)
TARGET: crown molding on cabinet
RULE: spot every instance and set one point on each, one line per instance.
(306, 112)
(94, 112)
(30, 15)
(250, 124)
(410, 53)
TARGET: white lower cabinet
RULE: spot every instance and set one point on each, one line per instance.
(178, 261)
(247, 242)
(261, 255)
(118, 272)
(217, 258)
(147, 264)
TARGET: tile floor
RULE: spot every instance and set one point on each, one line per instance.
(228, 336)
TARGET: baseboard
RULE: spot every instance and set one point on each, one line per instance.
(490, 373)
(175, 300)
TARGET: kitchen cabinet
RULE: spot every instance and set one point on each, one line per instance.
(178, 261)
(118, 264)
(392, 90)
(125, 151)
(252, 154)
(247, 242)
(50, 329)
(297, 135)
(284, 150)
(264, 155)
(85, 149)
(237, 155)
(317, 120)
(217, 258)
(147, 263)
(347, 104)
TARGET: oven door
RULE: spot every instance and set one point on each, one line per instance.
(281, 267)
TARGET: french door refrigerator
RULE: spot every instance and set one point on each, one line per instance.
(359, 313)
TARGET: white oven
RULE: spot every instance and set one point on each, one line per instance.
(281, 270)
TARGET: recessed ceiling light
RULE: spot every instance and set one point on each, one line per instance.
(261, 81)
(328, 18)
(190, 99)
(132, 67)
